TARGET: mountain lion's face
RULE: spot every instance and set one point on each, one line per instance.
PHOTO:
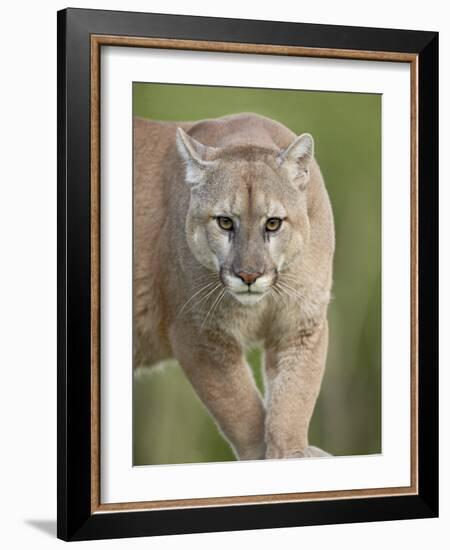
(247, 218)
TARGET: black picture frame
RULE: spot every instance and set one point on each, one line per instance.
(76, 520)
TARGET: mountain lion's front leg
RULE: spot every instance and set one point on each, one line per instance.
(224, 383)
(294, 373)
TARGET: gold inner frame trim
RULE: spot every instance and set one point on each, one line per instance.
(97, 41)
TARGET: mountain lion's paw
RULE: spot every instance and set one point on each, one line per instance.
(309, 452)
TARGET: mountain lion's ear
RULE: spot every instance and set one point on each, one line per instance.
(194, 155)
(297, 158)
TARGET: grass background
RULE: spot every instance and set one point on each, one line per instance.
(170, 425)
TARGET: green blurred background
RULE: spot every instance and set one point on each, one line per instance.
(170, 425)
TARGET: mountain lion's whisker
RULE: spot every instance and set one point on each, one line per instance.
(274, 296)
(205, 298)
(292, 290)
(288, 293)
(215, 303)
(205, 287)
(288, 277)
(205, 276)
(279, 292)
(221, 298)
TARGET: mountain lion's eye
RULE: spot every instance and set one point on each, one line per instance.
(225, 223)
(273, 224)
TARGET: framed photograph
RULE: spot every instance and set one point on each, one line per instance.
(247, 286)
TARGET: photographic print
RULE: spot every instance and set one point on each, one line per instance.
(256, 273)
(247, 267)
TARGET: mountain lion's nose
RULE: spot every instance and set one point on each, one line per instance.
(248, 278)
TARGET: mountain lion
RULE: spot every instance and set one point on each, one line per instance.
(233, 246)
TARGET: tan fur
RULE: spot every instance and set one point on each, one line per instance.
(243, 164)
